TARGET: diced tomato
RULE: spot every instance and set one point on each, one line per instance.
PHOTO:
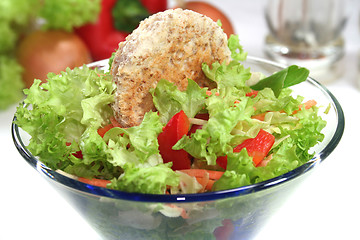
(224, 232)
(257, 147)
(177, 127)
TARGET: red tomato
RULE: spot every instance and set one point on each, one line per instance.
(42, 52)
(177, 127)
(213, 13)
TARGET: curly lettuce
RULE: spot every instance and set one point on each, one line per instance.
(67, 14)
(57, 114)
(11, 83)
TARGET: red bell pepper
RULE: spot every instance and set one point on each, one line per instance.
(154, 6)
(177, 127)
(102, 38)
(257, 148)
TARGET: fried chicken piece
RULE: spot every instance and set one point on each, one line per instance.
(169, 45)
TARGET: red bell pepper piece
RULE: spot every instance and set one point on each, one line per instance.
(177, 127)
(222, 161)
(257, 148)
(101, 37)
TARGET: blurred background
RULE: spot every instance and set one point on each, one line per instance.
(41, 36)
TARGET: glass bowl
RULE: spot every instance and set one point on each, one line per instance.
(234, 214)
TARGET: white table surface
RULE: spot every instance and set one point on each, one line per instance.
(325, 206)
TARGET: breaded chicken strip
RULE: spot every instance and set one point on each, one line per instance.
(169, 45)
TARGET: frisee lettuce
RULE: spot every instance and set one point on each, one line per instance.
(59, 115)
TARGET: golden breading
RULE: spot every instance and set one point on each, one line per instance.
(169, 45)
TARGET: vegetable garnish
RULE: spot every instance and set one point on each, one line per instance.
(197, 140)
(283, 79)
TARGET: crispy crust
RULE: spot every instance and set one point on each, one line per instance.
(169, 45)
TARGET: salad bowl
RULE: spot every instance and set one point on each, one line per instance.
(236, 213)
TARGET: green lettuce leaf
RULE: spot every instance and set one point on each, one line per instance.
(169, 100)
(227, 75)
(57, 113)
(283, 79)
(152, 180)
(11, 84)
(216, 135)
(236, 49)
(67, 14)
(239, 172)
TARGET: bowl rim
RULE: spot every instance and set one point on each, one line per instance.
(198, 197)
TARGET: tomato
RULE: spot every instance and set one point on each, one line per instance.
(42, 52)
(177, 127)
(212, 12)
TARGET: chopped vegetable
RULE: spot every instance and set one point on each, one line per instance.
(41, 52)
(258, 147)
(67, 14)
(101, 37)
(177, 127)
(95, 182)
(283, 79)
(11, 83)
(19, 18)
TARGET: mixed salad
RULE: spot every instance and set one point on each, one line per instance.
(246, 130)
